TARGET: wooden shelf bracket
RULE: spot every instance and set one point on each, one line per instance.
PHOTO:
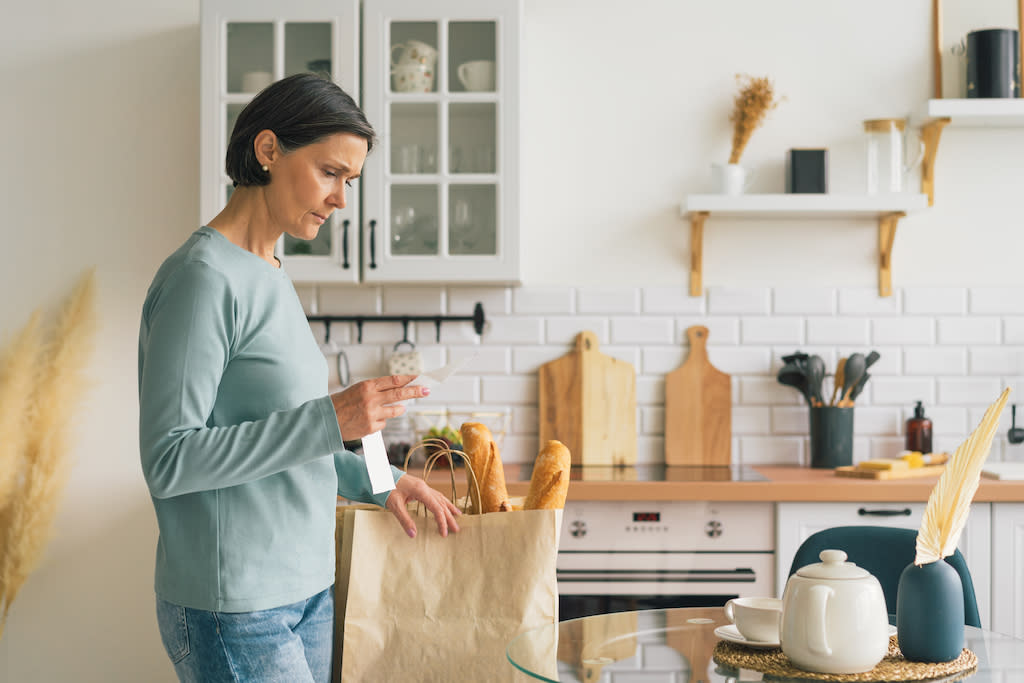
(930, 134)
(886, 238)
(697, 219)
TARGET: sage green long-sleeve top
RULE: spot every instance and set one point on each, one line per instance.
(239, 442)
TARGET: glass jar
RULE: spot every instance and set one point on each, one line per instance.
(884, 147)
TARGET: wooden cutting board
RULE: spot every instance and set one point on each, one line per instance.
(854, 472)
(588, 402)
(698, 408)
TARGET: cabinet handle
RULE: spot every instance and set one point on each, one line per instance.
(864, 512)
(344, 243)
(373, 244)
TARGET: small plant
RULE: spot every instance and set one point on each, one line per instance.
(752, 104)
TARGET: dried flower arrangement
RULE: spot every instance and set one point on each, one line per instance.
(752, 104)
(41, 383)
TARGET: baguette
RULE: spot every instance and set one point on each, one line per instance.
(485, 461)
(550, 481)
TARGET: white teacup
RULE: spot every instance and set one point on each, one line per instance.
(756, 618)
(412, 78)
(730, 179)
(477, 76)
(414, 52)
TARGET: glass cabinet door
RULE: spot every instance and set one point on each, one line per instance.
(443, 193)
(247, 45)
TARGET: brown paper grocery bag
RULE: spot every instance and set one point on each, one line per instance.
(441, 609)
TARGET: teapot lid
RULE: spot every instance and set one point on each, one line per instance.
(833, 565)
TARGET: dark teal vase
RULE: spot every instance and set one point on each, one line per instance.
(930, 613)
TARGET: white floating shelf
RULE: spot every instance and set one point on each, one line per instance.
(992, 112)
(768, 206)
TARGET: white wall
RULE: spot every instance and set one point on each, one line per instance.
(625, 107)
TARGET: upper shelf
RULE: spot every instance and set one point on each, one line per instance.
(803, 205)
(978, 112)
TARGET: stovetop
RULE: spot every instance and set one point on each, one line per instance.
(655, 472)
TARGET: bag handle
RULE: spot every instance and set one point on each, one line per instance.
(444, 450)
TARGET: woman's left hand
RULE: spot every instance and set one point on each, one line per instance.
(409, 488)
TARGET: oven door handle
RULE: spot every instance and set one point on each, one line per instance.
(738, 575)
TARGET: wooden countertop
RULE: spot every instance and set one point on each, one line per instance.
(784, 484)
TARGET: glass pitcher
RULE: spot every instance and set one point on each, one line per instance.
(886, 139)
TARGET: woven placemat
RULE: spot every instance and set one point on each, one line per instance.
(892, 668)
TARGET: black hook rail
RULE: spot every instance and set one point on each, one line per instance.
(477, 319)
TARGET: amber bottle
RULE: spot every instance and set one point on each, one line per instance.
(919, 431)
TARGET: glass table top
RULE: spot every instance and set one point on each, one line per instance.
(676, 645)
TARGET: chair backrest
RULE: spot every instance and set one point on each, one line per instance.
(885, 552)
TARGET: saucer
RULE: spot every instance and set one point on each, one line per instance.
(730, 633)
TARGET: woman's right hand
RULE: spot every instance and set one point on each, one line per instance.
(366, 406)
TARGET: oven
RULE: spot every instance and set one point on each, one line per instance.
(624, 556)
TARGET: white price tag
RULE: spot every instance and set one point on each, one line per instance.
(377, 465)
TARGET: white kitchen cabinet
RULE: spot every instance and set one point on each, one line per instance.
(796, 521)
(438, 200)
(1008, 568)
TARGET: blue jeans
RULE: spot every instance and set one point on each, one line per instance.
(289, 644)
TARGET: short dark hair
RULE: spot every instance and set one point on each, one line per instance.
(301, 110)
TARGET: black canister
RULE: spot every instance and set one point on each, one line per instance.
(831, 436)
(993, 63)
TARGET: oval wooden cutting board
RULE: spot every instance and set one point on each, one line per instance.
(698, 408)
(588, 402)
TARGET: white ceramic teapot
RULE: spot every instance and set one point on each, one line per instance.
(833, 617)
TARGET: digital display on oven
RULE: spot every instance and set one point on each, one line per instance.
(646, 516)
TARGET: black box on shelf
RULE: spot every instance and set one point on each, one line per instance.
(807, 171)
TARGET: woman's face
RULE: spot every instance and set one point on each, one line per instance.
(308, 184)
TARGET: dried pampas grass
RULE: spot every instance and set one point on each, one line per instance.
(18, 375)
(752, 104)
(26, 521)
(950, 501)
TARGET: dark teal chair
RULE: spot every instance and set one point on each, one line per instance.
(885, 552)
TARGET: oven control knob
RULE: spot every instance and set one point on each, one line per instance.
(713, 529)
(578, 528)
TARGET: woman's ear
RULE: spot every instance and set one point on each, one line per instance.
(265, 146)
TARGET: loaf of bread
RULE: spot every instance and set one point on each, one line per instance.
(485, 460)
(550, 481)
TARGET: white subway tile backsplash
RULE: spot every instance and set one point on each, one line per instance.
(865, 301)
(968, 391)
(900, 390)
(946, 420)
(933, 360)
(766, 390)
(903, 331)
(352, 301)
(670, 300)
(525, 419)
(861, 449)
(308, 298)
(771, 450)
(451, 333)
(564, 329)
(790, 420)
(969, 330)
(986, 300)
(661, 360)
(495, 300)
(512, 390)
(390, 333)
(1016, 385)
(889, 447)
(721, 330)
(772, 330)
(996, 360)
(542, 300)
(876, 421)
(837, 331)
(751, 301)
(804, 301)
(751, 420)
(1013, 330)
(414, 301)
(650, 450)
(514, 330)
(935, 301)
(642, 330)
(483, 360)
(650, 390)
(629, 354)
(519, 449)
(618, 300)
(364, 362)
(652, 420)
(456, 389)
(741, 360)
(528, 359)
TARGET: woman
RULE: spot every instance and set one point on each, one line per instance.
(241, 445)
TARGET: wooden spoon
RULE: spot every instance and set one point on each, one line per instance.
(840, 370)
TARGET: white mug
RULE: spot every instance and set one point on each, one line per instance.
(756, 619)
(477, 76)
(412, 78)
(254, 81)
(730, 179)
(414, 52)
